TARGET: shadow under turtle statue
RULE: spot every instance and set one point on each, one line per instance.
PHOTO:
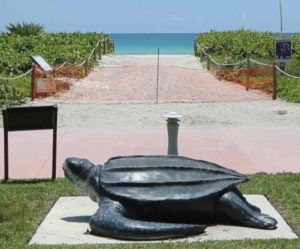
(162, 197)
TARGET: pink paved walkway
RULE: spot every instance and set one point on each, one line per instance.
(248, 150)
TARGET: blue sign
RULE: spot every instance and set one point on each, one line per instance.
(283, 51)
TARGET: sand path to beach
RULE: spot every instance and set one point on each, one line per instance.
(120, 92)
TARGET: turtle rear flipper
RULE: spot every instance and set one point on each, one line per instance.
(110, 221)
(238, 210)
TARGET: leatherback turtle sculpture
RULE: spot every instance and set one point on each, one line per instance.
(161, 197)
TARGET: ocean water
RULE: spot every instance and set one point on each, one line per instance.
(149, 43)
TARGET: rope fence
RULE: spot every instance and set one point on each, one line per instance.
(62, 77)
(93, 52)
(250, 73)
(44, 84)
(287, 74)
(16, 77)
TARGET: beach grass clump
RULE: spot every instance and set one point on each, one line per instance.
(23, 206)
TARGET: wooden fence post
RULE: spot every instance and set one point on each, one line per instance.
(113, 46)
(104, 46)
(274, 82)
(248, 74)
(33, 72)
(201, 55)
(95, 55)
(208, 63)
(100, 49)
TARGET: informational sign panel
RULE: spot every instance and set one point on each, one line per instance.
(283, 51)
(45, 85)
(41, 62)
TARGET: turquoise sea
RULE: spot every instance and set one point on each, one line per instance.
(168, 43)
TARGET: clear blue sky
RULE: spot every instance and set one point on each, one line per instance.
(152, 16)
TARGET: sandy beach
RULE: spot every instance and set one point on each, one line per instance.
(216, 104)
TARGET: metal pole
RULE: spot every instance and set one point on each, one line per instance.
(173, 119)
(54, 145)
(157, 78)
(281, 24)
(5, 144)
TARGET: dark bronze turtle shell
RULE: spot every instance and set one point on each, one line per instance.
(165, 178)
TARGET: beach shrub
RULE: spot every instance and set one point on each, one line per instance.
(9, 95)
(25, 29)
(56, 48)
(289, 89)
(233, 46)
(237, 45)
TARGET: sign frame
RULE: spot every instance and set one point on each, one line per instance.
(283, 49)
(24, 118)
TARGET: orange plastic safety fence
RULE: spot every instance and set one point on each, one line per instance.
(77, 72)
(49, 83)
(256, 77)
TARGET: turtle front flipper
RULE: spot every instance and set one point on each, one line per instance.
(253, 207)
(235, 207)
(110, 220)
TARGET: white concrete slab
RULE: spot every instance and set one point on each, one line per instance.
(67, 223)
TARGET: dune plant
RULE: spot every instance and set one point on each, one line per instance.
(25, 29)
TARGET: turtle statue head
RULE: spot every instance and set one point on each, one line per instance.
(84, 175)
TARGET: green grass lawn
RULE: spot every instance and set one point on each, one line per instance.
(23, 206)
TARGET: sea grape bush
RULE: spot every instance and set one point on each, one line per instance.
(56, 48)
(237, 45)
(9, 95)
(233, 46)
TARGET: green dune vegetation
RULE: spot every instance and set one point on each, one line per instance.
(234, 46)
(24, 40)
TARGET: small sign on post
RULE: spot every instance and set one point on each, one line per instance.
(45, 85)
(42, 63)
(29, 118)
(283, 50)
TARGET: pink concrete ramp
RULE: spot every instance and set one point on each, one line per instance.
(247, 150)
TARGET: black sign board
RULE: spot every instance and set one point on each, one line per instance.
(29, 118)
(283, 51)
(42, 63)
